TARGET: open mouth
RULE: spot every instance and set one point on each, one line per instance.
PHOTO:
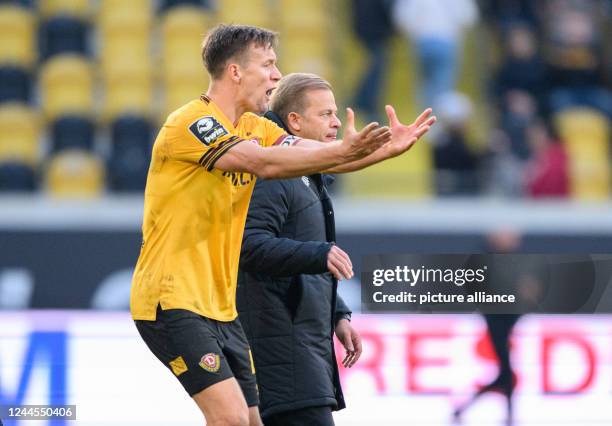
(269, 92)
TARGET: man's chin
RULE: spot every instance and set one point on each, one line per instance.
(262, 108)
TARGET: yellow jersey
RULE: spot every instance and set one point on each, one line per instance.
(194, 214)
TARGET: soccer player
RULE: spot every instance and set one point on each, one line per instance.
(290, 267)
(202, 173)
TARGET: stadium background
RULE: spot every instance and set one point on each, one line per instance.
(84, 85)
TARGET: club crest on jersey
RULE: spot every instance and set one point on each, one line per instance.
(207, 129)
(210, 362)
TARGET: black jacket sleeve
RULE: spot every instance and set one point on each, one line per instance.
(342, 310)
(263, 251)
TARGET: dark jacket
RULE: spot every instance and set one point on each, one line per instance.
(372, 19)
(286, 299)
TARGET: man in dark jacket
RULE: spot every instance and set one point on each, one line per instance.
(290, 267)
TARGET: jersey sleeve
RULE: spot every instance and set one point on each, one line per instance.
(275, 135)
(202, 140)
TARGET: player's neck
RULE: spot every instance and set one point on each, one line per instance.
(226, 101)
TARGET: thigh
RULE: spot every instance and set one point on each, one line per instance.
(311, 416)
(223, 403)
(238, 353)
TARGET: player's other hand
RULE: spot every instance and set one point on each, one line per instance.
(361, 144)
(405, 136)
(339, 263)
(351, 340)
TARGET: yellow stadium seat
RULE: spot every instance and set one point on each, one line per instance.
(79, 8)
(125, 29)
(185, 22)
(128, 89)
(184, 61)
(126, 26)
(66, 86)
(75, 174)
(583, 122)
(305, 54)
(404, 177)
(184, 76)
(586, 135)
(19, 134)
(17, 36)
(183, 29)
(301, 15)
(180, 91)
(117, 50)
(123, 21)
(252, 12)
(122, 10)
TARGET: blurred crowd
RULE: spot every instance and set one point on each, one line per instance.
(546, 66)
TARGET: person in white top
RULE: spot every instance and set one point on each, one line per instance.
(436, 27)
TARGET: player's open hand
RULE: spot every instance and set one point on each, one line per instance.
(351, 340)
(405, 136)
(367, 140)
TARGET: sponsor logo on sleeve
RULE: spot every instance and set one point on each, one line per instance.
(207, 129)
(289, 140)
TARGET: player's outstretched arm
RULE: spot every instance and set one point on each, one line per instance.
(283, 162)
(403, 138)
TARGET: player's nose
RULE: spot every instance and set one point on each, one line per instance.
(276, 74)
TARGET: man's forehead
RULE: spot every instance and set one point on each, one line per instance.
(260, 51)
(321, 98)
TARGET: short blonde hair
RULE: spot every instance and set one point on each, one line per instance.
(289, 94)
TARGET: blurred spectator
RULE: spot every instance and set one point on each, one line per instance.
(506, 12)
(518, 85)
(522, 67)
(500, 326)
(372, 24)
(436, 27)
(575, 57)
(547, 170)
(456, 165)
(518, 111)
(503, 169)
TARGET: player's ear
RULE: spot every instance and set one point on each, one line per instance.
(294, 122)
(235, 72)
